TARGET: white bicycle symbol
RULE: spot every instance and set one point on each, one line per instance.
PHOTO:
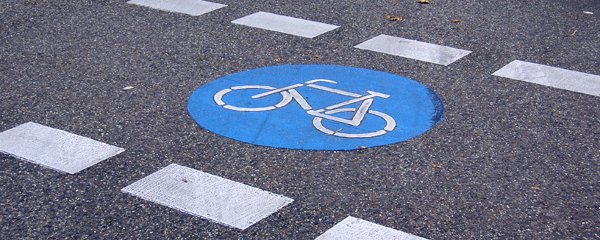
(289, 93)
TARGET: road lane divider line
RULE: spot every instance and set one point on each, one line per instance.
(551, 76)
(413, 49)
(207, 196)
(354, 228)
(54, 148)
(285, 24)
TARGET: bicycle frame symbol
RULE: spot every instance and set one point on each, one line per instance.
(289, 93)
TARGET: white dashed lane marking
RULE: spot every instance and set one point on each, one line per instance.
(551, 76)
(207, 196)
(54, 148)
(285, 24)
(413, 49)
(353, 228)
(191, 7)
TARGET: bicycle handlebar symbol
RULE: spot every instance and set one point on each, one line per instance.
(290, 94)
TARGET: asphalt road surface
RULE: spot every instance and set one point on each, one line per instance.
(511, 159)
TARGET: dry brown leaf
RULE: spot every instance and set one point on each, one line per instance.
(392, 18)
(316, 56)
(436, 166)
(572, 34)
(423, 1)
(536, 188)
(277, 59)
(455, 20)
(362, 147)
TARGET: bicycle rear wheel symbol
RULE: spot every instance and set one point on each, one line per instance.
(289, 94)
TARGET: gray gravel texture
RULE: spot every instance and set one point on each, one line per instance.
(64, 64)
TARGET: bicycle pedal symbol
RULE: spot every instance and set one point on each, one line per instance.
(290, 94)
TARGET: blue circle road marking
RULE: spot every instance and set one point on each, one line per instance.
(316, 107)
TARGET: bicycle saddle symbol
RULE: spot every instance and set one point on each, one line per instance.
(290, 94)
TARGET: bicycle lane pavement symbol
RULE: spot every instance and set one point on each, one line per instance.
(316, 107)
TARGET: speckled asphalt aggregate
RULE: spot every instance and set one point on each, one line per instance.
(511, 160)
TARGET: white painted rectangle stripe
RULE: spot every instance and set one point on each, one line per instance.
(413, 49)
(54, 148)
(551, 76)
(207, 196)
(190, 7)
(353, 228)
(285, 24)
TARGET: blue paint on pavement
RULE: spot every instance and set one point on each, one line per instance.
(316, 107)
